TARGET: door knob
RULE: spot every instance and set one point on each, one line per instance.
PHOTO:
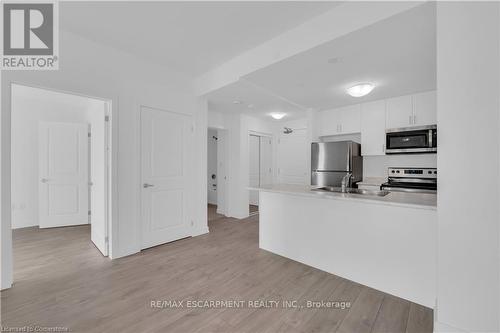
(146, 185)
(44, 180)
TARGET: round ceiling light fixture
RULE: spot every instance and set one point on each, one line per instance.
(360, 89)
(277, 115)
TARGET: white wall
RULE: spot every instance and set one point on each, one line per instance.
(30, 106)
(96, 70)
(468, 71)
(293, 152)
(215, 119)
(211, 166)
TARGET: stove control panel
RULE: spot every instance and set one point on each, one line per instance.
(412, 173)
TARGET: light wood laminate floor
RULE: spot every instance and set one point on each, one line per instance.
(62, 280)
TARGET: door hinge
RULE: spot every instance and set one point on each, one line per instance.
(106, 118)
(90, 212)
(106, 239)
(192, 223)
(89, 134)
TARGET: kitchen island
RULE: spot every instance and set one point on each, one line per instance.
(387, 243)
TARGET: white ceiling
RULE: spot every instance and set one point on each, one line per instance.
(261, 102)
(397, 54)
(193, 37)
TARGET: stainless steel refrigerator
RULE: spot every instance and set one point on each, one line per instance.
(331, 161)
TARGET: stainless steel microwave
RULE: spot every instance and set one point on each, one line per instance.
(421, 139)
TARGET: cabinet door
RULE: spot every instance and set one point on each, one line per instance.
(373, 128)
(350, 119)
(399, 112)
(424, 108)
(329, 122)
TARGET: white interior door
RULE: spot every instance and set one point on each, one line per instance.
(292, 157)
(165, 175)
(254, 168)
(266, 160)
(99, 177)
(64, 177)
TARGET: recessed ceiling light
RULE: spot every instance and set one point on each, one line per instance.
(237, 102)
(360, 90)
(277, 115)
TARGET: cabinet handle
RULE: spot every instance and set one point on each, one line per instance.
(409, 119)
(383, 147)
(414, 119)
(340, 128)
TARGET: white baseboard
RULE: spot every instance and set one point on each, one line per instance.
(123, 253)
(445, 328)
(23, 224)
(200, 231)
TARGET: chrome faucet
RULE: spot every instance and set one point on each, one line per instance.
(345, 182)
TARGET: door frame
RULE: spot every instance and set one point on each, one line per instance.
(223, 150)
(265, 135)
(111, 174)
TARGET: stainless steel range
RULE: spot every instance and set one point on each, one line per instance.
(419, 180)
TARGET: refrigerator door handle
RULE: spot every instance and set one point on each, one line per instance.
(348, 158)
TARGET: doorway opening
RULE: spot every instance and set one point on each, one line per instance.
(260, 167)
(216, 173)
(61, 175)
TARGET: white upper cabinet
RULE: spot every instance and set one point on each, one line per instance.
(350, 119)
(399, 112)
(345, 120)
(424, 108)
(412, 110)
(373, 128)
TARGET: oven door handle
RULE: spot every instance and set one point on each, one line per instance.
(407, 190)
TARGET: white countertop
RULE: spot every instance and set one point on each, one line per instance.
(411, 200)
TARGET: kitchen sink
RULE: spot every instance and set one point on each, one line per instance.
(352, 191)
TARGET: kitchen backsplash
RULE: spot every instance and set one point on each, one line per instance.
(376, 166)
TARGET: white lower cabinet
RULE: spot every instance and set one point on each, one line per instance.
(373, 128)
